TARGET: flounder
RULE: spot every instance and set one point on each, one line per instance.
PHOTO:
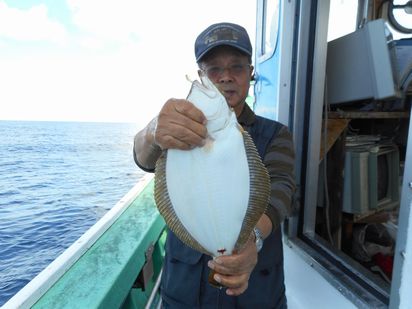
(211, 197)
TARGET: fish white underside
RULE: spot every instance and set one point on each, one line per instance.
(209, 190)
(209, 186)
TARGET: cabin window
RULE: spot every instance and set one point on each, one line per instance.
(399, 18)
(342, 18)
(270, 28)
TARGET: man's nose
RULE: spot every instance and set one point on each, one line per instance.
(226, 75)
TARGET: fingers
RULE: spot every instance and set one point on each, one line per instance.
(186, 108)
(180, 125)
(233, 271)
(235, 285)
(236, 263)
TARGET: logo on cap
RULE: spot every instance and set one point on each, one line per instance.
(224, 34)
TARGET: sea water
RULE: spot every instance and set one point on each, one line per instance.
(56, 180)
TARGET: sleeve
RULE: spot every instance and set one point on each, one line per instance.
(280, 161)
(148, 170)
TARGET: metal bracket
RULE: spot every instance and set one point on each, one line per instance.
(146, 273)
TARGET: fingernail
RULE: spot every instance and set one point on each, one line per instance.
(229, 292)
(217, 278)
(210, 264)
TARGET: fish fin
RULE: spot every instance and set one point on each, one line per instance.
(240, 128)
(259, 191)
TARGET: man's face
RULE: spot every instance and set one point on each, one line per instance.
(231, 73)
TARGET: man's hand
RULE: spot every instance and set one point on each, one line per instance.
(180, 125)
(233, 271)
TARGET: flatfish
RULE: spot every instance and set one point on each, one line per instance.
(211, 197)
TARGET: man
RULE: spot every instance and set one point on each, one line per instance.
(254, 276)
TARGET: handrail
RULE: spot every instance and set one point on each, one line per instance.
(154, 291)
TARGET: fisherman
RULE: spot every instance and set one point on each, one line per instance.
(253, 277)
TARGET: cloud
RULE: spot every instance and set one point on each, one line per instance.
(97, 80)
(155, 23)
(107, 20)
(30, 25)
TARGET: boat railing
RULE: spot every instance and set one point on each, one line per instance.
(115, 264)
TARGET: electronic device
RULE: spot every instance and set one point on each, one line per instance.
(371, 178)
(362, 65)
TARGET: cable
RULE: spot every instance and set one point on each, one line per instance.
(325, 178)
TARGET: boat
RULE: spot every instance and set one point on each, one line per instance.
(347, 101)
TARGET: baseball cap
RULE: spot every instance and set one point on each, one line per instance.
(222, 34)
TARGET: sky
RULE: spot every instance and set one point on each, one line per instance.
(107, 60)
(102, 60)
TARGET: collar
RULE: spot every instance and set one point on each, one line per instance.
(247, 116)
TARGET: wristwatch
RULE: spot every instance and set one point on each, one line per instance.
(258, 238)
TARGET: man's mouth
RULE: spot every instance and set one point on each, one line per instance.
(228, 93)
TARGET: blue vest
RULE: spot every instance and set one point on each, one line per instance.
(185, 274)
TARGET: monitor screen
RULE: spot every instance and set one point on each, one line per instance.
(382, 177)
(371, 180)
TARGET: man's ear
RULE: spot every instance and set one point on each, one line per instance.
(200, 73)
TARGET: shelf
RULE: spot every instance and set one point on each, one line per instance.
(367, 115)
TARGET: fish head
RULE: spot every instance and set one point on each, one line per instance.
(207, 97)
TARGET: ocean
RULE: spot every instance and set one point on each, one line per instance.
(56, 180)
